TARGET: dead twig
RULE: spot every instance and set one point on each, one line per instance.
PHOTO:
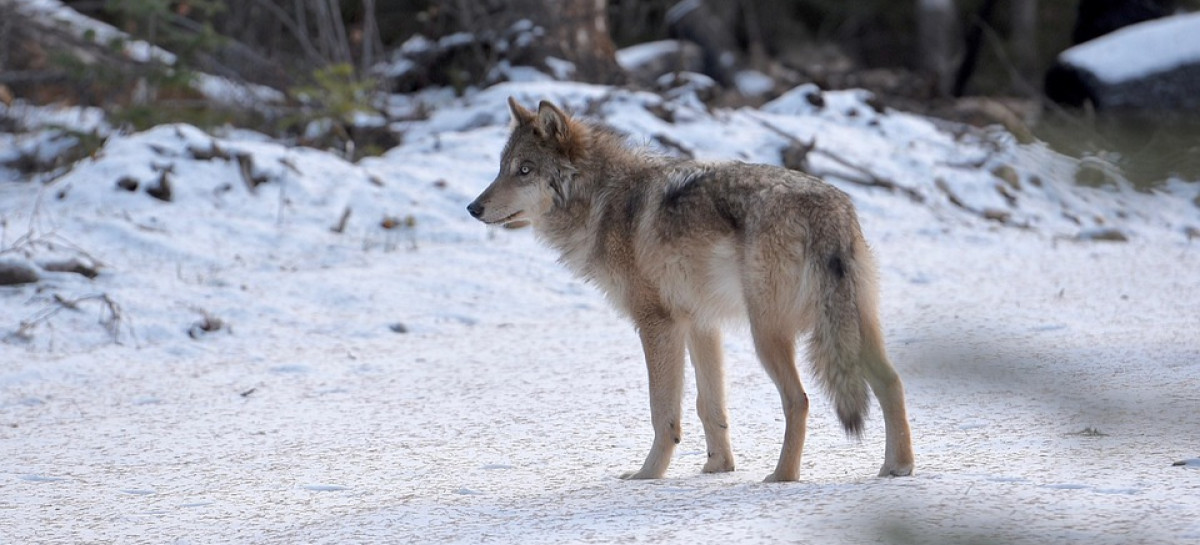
(341, 224)
(207, 324)
(110, 316)
(35, 236)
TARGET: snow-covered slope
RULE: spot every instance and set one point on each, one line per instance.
(298, 349)
(63, 18)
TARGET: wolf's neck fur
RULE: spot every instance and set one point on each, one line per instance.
(595, 179)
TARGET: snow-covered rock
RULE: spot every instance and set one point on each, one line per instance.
(1154, 65)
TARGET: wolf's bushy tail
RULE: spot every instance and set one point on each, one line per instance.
(836, 345)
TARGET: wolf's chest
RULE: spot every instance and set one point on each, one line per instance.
(702, 282)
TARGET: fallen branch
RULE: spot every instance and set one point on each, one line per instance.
(869, 179)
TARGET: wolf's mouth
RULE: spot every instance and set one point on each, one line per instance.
(511, 218)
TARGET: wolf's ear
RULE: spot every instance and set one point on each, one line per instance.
(519, 113)
(552, 123)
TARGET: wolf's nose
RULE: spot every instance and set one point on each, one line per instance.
(475, 209)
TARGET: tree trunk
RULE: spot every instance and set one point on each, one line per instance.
(937, 43)
(567, 38)
(577, 32)
(974, 43)
(1023, 40)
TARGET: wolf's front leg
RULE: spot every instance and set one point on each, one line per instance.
(663, 341)
(704, 345)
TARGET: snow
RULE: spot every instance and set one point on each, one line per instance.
(458, 39)
(753, 83)
(241, 372)
(416, 45)
(87, 119)
(225, 91)
(505, 71)
(1123, 55)
(48, 132)
(639, 55)
(397, 67)
(561, 69)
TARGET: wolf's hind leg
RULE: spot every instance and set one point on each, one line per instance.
(663, 341)
(777, 351)
(704, 345)
(898, 454)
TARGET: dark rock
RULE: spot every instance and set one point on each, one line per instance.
(1103, 234)
(15, 272)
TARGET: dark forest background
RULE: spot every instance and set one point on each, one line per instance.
(974, 61)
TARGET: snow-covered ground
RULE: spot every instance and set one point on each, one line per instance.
(297, 349)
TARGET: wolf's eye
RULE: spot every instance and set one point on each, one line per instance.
(525, 170)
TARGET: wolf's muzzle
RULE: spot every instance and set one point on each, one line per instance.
(475, 209)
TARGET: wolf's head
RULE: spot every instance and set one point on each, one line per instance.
(536, 167)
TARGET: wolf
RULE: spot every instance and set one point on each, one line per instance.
(680, 247)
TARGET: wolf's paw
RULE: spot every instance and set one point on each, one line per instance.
(718, 464)
(639, 476)
(896, 470)
(777, 478)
